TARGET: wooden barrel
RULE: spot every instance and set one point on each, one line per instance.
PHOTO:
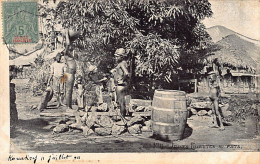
(169, 114)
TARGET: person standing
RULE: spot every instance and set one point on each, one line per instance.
(214, 95)
(56, 75)
(121, 76)
(80, 93)
(69, 36)
(70, 77)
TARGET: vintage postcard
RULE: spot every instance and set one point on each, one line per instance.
(87, 81)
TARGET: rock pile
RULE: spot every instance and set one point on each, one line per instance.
(104, 123)
(106, 120)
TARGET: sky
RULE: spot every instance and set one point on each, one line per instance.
(242, 16)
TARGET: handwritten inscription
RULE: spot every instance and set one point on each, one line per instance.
(50, 158)
(26, 158)
(68, 157)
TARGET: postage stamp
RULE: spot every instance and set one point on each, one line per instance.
(20, 21)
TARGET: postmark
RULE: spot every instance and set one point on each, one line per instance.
(20, 22)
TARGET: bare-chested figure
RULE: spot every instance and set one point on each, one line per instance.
(70, 72)
(214, 94)
(121, 75)
(56, 74)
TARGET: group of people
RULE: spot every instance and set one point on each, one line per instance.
(63, 70)
(62, 77)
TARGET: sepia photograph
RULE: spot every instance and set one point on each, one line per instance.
(132, 76)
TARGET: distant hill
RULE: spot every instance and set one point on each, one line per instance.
(219, 32)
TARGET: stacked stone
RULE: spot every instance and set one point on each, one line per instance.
(103, 121)
(202, 106)
(139, 105)
(13, 110)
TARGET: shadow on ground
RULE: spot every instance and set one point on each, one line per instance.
(35, 125)
(187, 133)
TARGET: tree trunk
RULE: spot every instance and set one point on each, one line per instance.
(132, 73)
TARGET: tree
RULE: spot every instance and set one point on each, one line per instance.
(157, 33)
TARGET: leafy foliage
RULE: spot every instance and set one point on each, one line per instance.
(155, 56)
(157, 33)
(39, 75)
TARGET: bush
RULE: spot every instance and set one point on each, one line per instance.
(242, 107)
(39, 76)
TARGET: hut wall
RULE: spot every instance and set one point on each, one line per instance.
(24, 72)
(232, 84)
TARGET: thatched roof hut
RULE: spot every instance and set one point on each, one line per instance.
(233, 51)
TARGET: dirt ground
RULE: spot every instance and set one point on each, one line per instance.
(34, 134)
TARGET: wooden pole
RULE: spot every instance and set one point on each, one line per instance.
(195, 85)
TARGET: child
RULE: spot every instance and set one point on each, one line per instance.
(80, 94)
